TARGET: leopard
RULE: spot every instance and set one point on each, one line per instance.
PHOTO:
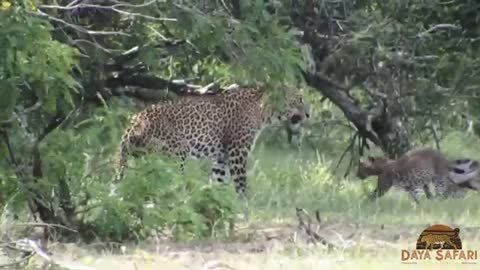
(416, 170)
(432, 239)
(222, 127)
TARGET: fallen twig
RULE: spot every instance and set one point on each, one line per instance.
(441, 26)
(31, 248)
(305, 225)
(38, 224)
(16, 263)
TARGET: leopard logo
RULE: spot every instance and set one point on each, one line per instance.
(431, 239)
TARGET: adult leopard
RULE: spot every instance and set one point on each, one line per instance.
(222, 127)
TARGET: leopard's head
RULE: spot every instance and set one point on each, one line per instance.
(424, 238)
(295, 113)
(371, 166)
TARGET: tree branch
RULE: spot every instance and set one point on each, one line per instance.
(113, 7)
(156, 83)
(441, 26)
(236, 12)
(4, 124)
(338, 95)
(119, 60)
(77, 27)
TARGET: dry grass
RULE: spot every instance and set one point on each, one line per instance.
(276, 246)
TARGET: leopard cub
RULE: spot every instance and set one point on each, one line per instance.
(413, 172)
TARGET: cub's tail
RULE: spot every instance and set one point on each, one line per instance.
(464, 170)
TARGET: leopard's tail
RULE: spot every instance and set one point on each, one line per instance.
(464, 170)
(121, 160)
(120, 163)
(130, 138)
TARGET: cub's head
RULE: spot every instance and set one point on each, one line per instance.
(371, 166)
(295, 113)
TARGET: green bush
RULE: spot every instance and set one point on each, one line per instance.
(185, 206)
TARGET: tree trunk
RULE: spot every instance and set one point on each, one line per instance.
(383, 125)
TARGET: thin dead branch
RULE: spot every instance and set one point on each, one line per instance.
(435, 135)
(18, 262)
(305, 224)
(349, 148)
(8, 123)
(441, 26)
(115, 8)
(41, 224)
(31, 248)
(78, 27)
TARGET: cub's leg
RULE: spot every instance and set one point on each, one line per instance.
(448, 241)
(427, 191)
(414, 191)
(384, 183)
(443, 187)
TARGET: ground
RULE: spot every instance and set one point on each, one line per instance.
(366, 235)
(274, 246)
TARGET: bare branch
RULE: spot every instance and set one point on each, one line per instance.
(441, 26)
(33, 248)
(204, 89)
(95, 44)
(114, 8)
(349, 148)
(7, 123)
(226, 7)
(38, 224)
(77, 27)
(17, 263)
(338, 95)
(305, 224)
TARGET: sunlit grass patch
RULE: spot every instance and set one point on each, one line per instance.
(282, 180)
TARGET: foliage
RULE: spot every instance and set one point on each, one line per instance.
(185, 206)
(42, 67)
(422, 55)
(34, 68)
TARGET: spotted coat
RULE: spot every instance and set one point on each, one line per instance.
(414, 172)
(221, 127)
